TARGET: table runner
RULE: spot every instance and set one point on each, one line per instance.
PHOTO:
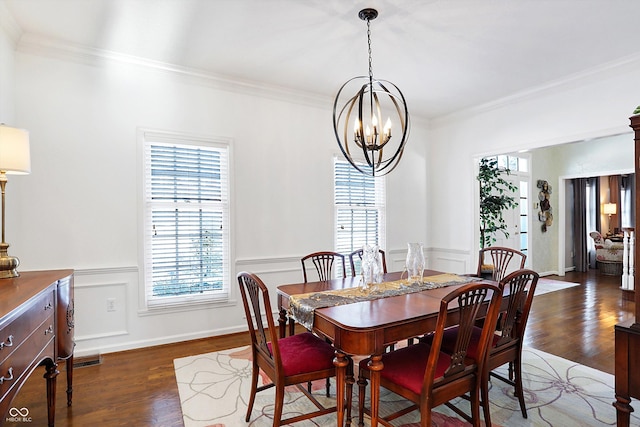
(303, 306)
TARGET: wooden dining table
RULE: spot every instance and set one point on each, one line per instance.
(366, 328)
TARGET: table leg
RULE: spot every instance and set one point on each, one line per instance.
(341, 362)
(350, 381)
(69, 380)
(623, 410)
(375, 366)
(282, 323)
(50, 375)
(292, 326)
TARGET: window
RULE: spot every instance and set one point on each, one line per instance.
(523, 202)
(359, 208)
(186, 219)
(627, 189)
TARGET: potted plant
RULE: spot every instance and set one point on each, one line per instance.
(496, 195)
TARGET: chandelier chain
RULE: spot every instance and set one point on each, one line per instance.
(369, 44)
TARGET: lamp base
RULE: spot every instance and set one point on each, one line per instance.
(8, 264)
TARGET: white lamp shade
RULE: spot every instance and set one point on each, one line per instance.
(609, 209)
(15, 157)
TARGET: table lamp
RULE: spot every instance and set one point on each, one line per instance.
(609, 209)
(14, 159)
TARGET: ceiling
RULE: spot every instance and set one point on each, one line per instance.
(445, 55)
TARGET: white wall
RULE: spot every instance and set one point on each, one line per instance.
(590, 105)
(7, 53)
(79, 206)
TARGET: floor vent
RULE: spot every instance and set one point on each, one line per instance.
(81, 362)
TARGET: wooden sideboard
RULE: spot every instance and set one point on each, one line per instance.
(36, 328)
(627, 335)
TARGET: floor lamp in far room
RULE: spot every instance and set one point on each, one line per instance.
(609, 209)
(15, 158)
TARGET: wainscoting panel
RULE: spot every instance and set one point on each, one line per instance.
(450, 261)
(107, 311)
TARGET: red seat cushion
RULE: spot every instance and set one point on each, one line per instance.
(406, 366)
(304, 353)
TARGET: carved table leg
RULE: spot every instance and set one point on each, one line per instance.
(362, 388)
(292, 326)
(51, 375)
(282, 323)
(341, 362)
(623, 410)
(350, 380)
(375, 366)
(69, 380)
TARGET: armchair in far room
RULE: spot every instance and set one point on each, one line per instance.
(608, 254)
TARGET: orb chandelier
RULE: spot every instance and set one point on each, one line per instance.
(361, 106)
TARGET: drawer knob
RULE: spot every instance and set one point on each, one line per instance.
(49, 306)
(7, 343)
(9, 376)
(49, 330)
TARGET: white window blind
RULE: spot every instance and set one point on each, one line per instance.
(186, 222)
(359, 208)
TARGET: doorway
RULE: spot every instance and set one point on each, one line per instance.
(517, 219)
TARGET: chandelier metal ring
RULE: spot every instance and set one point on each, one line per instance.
(369, 149)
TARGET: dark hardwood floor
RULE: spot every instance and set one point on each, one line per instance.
(577, 323)
(138, 388)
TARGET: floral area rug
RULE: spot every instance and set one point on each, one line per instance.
(214, 389)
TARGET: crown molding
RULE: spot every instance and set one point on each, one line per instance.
(581, 78)
(37, 45)
(9, 25)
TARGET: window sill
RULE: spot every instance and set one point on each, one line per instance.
(162, 309)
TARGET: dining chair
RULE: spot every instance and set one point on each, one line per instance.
(292, 360)
(324, 263)
(357, 256)
(428, 377)
(500, 259)
(506, 344)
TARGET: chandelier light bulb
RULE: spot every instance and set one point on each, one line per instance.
(387, 128)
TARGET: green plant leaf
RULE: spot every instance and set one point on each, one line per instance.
(496, 196)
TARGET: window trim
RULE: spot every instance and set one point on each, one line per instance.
(187, 302)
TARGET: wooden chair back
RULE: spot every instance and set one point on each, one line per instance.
(255, 295)
(463, 308)
(512, 324)
(500, 258)
(324, 263)
(357, 256)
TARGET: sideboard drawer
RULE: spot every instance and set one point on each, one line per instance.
(27, 352)
(14, 333)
